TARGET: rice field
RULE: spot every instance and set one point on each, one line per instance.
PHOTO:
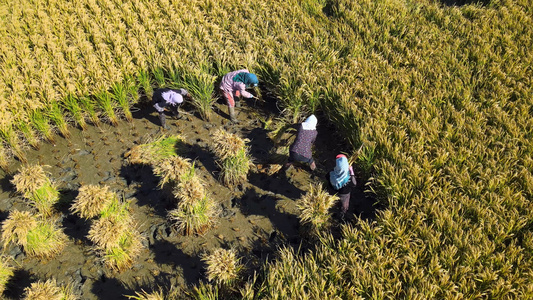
(434, 101)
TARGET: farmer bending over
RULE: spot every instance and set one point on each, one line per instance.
(300, 150)
(342, 180)
(170, 99)
(236, 83)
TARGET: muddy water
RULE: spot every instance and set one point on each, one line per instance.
(256, 218)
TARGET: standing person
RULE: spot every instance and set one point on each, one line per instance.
(170, 99)
(300, 150)
(342, 180)
(236, 83)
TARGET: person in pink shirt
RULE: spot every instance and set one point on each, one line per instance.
(235, 84)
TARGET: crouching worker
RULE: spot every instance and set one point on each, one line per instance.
(235, 84)
(342, 180)
(300, 150)
(170, 99)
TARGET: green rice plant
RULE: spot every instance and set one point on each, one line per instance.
(232, 157)
(33, 183)
(55, 113)
(143, 77)
(152, 153)
(40, 122)
(172, 169)
(105, 102)
(29, 134)
(201, 87)
(6, 272)
(120, 95)
(48, 290)
(92, 201)
(88, 105)
(39, 237)
(72, 104)
(157, 295)
(194, 218)
(223, 266)
(314, 208)
(159, 76)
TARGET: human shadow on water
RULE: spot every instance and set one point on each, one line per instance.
(167, 253)
(110, 288)
(20, 280)
(146, 191)
(277, 183)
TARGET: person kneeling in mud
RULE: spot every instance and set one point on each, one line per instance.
(171, 99)
(342, 180)
(300, 150)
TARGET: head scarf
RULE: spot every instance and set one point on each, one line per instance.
(341, 174)
(248, 79)
(310, 123)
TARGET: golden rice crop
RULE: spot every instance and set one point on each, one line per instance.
(189, 191)
(106, 232)
(48, 290)
(39, 237)
(232, 157)
(314, 207)
(121, 256)
(223, 266)
(171, 169)
(226, 144)
(194, 218)
(33, 183)
(92, 200)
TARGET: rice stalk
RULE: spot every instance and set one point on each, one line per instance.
(16, 227)
(120, 95)
(48, 290)
(234, 169)
(201, 87)
(33, 183)
(92, 201)
(45, 241)
(4, 160)
(88, 105)
(11, 138)
(223, 266)
(152, 153)
(172, 169)
(55, 113)
(29, 134)
(40, 122)
(122, 256)
(195, 218)
(143, 295)
(314, 208)
(143, 77)
(105, 102)
(71, 104)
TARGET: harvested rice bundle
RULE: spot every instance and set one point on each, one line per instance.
(33, 183)
(232, 157)
(223, 267)
(314, 207)
(48, 290)
(153, 152)
(92, 200)
(172, 169)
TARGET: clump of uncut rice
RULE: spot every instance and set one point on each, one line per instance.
(314, 207)
(172, 169)
(92, 200)
(155, 151)
(38, 237)
(223, 266)
(48, 290)
(33, 183)
(232, 157)
(6, 272)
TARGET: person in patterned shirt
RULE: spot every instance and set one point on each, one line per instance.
(235, 84)
(300, 150)
(165, 98)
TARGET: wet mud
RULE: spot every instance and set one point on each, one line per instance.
(255, 219)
